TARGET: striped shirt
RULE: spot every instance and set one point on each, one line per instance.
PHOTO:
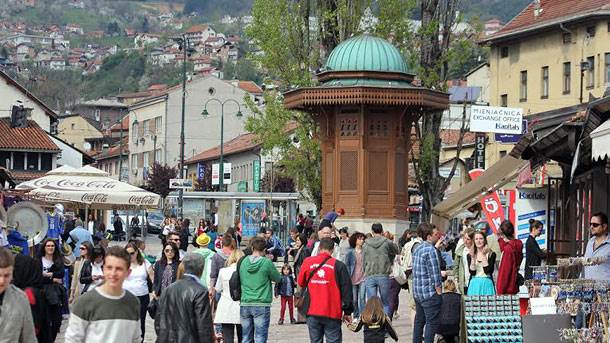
(99, 317)
(426, 271)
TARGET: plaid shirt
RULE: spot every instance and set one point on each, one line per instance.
(426, 271)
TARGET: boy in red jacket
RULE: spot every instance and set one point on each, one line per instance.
(329, 293)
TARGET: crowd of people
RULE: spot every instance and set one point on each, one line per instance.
(217, 291)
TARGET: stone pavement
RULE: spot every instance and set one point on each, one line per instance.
(287, 332)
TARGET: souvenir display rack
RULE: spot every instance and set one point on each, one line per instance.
(493, 319)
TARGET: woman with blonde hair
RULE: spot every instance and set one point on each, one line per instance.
(227, 312)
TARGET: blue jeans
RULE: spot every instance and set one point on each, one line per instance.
(320, 327)
(255, 323)
(359, 298)
(379, 286)
(428, 314)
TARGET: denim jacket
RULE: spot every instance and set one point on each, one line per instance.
(286, 286)
(350, 261)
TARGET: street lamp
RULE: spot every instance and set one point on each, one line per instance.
(205, 113)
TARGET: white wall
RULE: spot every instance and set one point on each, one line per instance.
(9, 94)
(69, 156)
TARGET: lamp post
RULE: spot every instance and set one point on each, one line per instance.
(222, 115)
(184, 46)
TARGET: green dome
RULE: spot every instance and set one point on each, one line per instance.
(366, 53)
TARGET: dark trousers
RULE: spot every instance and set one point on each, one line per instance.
(54, 312)
(394, 292)
(427, 313)
(290, 301)
(320, 327)
(228, 333)
(450, 338)
(144, 300)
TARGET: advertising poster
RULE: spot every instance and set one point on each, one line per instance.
(251, 215)
(531, 203)
(491, 205)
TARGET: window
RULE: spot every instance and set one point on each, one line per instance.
(502, 153)
(503, 52)
(73, 126)
(46, 161)
(591, 31)
(591, 72)
(504, 100)
(607, 67)
(567, 37)
(567, 77)
(158, 122)
(32, 163)
(145, 156)
(116, 168)
(158, 155)
(523, 86)
(18, 160)
(134, 161)
(146, 127)
(97, 115)
(608, 26)
(544, 92)
(135, 128)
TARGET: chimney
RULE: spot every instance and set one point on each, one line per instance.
(537, 8)
(19, 115)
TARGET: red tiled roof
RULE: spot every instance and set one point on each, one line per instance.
(250, 87)
(112, 152)
(157, 86)
(551, 12)
(238, 144)
(451, 137)
(124, 125)
(31, 137)
(26, 175)
(197, 28)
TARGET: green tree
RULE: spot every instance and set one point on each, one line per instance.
(242, 69)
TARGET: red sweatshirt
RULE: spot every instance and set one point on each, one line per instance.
(330, 289)
(512, 254)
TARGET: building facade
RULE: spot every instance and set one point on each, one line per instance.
(78, 131)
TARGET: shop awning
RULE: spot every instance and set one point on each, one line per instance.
(600, 142)
(90, 187)
(499, 174)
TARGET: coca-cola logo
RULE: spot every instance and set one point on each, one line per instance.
(94, 198)
(76, 184)
(149, 200)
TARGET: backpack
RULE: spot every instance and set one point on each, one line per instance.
(235, 282)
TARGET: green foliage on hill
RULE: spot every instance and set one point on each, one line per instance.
(504, 10)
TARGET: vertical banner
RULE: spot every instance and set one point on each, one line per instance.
(215, 174)
(226, 177)
(532, 204)
(200, 171)
(251, 216)
(256, 176)
(511, 198)
(491, 205)
(479, 151)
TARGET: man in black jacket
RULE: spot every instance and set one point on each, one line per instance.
(185, 314)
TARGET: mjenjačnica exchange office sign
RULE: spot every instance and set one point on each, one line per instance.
(496, 119)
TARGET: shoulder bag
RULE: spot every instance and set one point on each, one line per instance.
(302, 302)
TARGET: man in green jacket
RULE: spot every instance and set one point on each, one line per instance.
(256, 273)
(378, 254)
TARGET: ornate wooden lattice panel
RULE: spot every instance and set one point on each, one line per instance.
(328, 172)
(379, 128)
(348, 168)
(378, 171)
(348, 127)
(401, 176)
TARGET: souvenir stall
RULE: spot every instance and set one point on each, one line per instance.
(87, 188)
(580, 306)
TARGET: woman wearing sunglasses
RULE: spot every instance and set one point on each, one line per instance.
(166, 269)
(91, 274)
(86, 252)
(139, 281)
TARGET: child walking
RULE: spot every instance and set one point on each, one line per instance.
(285, 288)
(375, 322)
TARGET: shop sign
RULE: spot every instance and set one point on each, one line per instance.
(506, 138)
(227, 173)
(256, 176)
(531, 203)
(491, 205)
(200, 171)
(479, 151)
(180, 183)
(215, 174)
(242, 186)
(496, 119)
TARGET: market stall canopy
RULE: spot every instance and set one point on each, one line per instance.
(88, 186)
(600, 142)
(499, 174)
